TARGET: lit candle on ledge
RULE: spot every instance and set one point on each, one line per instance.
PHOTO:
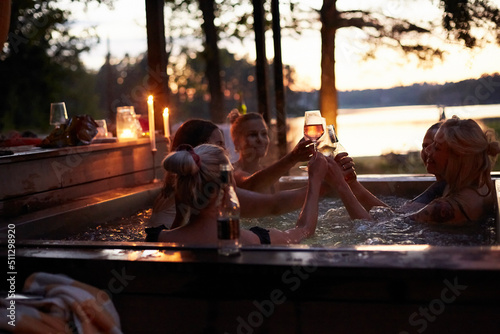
(166, 126)
(127, 134)
(151, 118)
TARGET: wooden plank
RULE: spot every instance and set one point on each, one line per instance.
(34, 202)
(76, 166)
(51, 177)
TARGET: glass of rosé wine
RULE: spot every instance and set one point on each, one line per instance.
(314, 126)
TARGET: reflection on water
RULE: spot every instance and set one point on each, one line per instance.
(334, 228)
(120, 229)
(377, 131)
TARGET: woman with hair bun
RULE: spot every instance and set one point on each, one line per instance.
(463, 154)
(196, 176)
(253, 204)
(251, 140)
(192, 132)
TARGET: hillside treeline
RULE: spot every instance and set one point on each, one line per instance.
(485, 90)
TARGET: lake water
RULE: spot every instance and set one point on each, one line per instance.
(377, 131)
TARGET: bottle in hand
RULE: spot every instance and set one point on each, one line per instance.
(228, 218)
(330, 144)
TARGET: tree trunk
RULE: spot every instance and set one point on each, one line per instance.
(4, 20)
(261, 66)
(328, 91)
(212, 71)
(157, 59)
(278, 81)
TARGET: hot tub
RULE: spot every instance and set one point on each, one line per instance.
(160, 287)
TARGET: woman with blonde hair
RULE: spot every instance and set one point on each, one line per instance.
(463, 154)
(251, 140)
(196, 187)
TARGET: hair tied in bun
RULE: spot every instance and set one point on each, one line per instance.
(189, 148)
(493, 149)
(233, 115)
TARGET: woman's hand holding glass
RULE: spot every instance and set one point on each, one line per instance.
(303, 151)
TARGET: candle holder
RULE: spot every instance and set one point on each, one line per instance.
(152, 137)
(127, 124)
(155, 179)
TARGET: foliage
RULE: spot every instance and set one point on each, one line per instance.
(41, 65)
(123, 82)
(473, 22)
(233, 22)
(187, 82)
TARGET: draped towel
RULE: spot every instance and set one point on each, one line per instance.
(64, 306)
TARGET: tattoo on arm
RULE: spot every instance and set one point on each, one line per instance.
(438, 211)
(441, 211)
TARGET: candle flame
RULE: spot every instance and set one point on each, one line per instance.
(126, 133)
(165, 112)
(150, 98)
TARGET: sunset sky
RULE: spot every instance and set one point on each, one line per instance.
(125, 28)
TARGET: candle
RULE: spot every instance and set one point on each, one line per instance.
(127, 134)
(151, 118)
(166, 127)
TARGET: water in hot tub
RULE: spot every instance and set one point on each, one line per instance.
(334, 228)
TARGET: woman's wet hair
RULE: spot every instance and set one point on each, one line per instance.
(196, 173)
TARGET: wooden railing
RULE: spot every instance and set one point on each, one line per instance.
(40, 178)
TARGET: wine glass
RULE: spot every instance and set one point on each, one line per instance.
(313, 126)
(102, 128)
(58, 114)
